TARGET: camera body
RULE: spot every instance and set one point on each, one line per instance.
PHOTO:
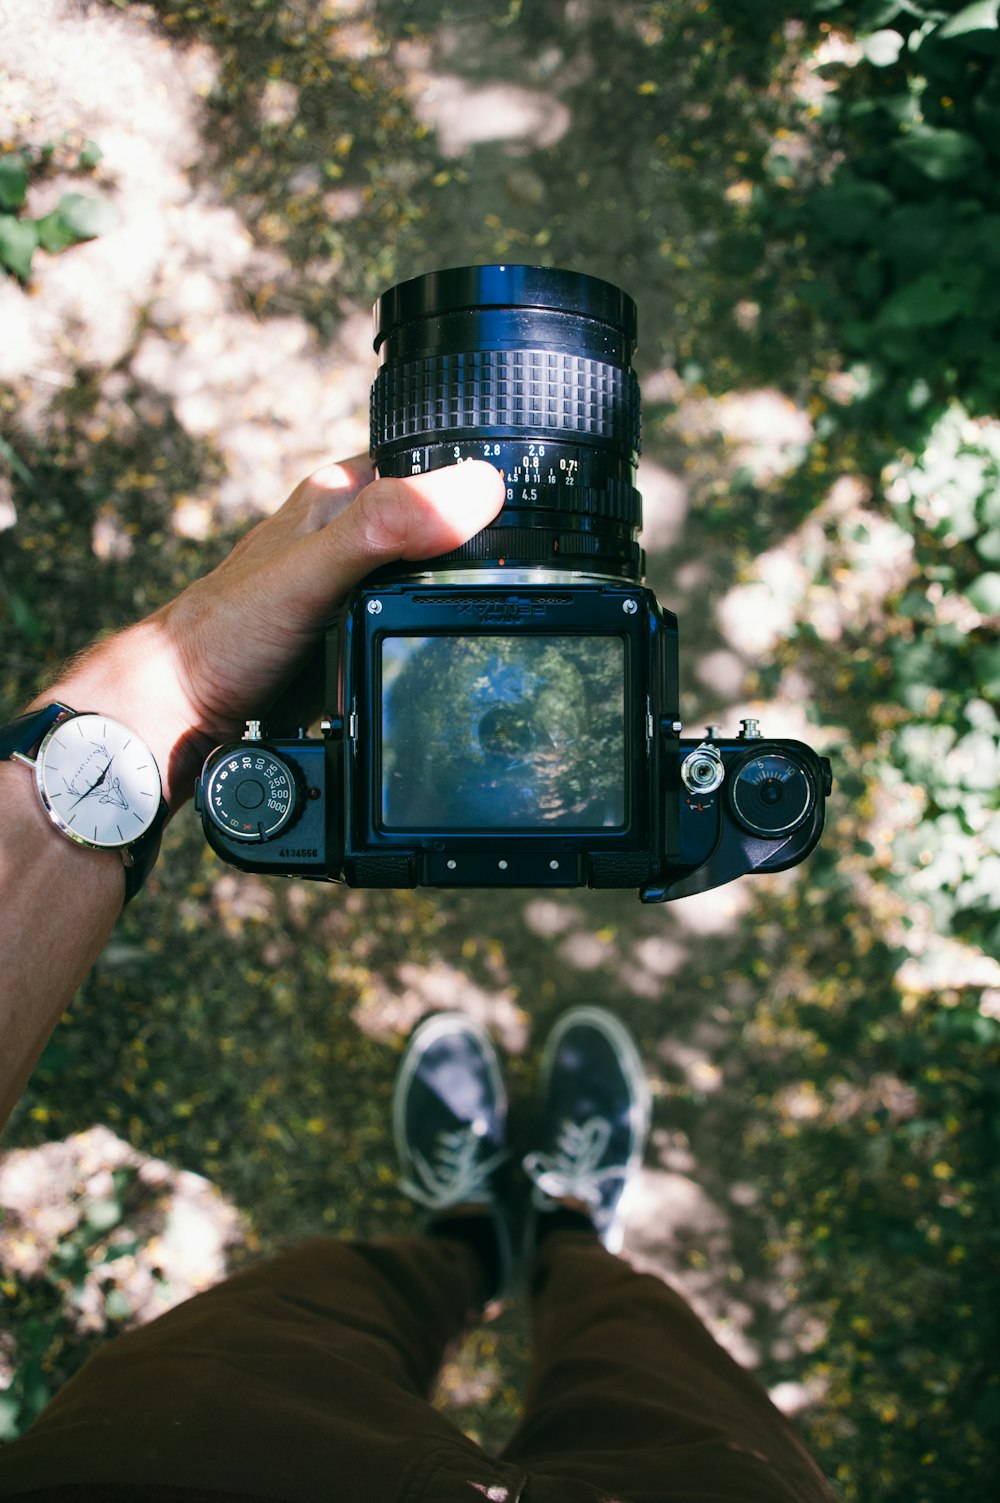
(507, 716)
(453, 792)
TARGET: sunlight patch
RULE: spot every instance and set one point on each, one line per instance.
(157, 1241)
(392, 1007)
(464, 115)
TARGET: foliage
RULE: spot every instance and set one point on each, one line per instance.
(895, 249)
(945, 677)
(76, 217)
(908, 224)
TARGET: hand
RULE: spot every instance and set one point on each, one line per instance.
(190, 675)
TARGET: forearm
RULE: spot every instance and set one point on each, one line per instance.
(59, 901)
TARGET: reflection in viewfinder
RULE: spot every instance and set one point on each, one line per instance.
(503, 732)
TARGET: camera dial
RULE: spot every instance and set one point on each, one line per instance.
(702, 770)
(252, 794)
(771, 794)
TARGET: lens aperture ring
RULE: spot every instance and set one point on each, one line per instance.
(500, 392)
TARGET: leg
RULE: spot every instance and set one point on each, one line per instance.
(630, 1393)
(306, 1373)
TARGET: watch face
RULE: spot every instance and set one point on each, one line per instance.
(98, 781)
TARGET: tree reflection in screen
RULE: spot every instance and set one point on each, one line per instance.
(503, 732)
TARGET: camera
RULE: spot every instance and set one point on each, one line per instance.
(506, 715)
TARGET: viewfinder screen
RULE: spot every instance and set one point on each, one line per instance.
(503, 732)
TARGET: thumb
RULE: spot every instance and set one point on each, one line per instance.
(413, 517)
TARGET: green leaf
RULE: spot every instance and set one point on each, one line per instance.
(927, 301)
(101, 1216)
(10, 1413)
(980, 16)
(55, 1058)
(13, 180)
(53, 235)
(84, 217)
(18, 242)
(985, 664)
(10, 456)
(942, 155)
(121, 1250)
(117, 1305)
(91, 155)
(984, 593)
(878, 13)
(24, 618)
(851, 210)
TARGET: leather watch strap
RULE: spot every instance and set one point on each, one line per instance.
(25, 734)
(144, 853)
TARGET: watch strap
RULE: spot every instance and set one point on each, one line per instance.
(144, 853)
(26, 733)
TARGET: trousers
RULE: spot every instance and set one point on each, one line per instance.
(304, 1378)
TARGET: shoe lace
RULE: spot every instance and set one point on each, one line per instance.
(455, 1174)
(575, 1170)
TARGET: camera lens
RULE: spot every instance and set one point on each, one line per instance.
(529, 368)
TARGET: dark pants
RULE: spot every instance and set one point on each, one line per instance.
(306, 1377)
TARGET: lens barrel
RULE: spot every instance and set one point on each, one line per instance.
(528, 367)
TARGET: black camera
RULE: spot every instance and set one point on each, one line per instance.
(506, 715)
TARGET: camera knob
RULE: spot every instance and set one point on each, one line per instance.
(702, 770)
(252, 794)
(771, 794)
(750, 730)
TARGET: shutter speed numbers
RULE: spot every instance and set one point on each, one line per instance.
(252, 795)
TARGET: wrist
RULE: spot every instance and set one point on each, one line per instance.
(132, 677)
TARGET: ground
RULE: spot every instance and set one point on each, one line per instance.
(221, 1085)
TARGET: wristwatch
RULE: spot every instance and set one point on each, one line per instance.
(97, 780)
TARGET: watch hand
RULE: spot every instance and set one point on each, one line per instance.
(87, 792)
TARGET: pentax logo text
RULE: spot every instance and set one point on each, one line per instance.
(505, 611)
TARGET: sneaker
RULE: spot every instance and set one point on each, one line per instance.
(449, 1116)
(594, 1121)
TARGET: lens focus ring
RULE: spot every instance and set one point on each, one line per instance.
(544, 392)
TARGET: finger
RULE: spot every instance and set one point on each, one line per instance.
(416, 517)
(327, 492)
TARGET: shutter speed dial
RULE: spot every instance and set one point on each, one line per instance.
(253, 794)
